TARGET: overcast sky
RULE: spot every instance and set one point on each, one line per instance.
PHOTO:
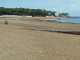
(60, 6)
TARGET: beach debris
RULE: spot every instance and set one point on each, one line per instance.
(67, 32)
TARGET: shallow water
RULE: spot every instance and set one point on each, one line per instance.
(53, 30)
(63, 20)
(69, 20)
(45, 29)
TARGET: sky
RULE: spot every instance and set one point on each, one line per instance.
(59, 6)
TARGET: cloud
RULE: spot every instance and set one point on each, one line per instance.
(72, 8)
(61, 9)
(54, 9)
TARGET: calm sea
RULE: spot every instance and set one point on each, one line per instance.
(70, 20)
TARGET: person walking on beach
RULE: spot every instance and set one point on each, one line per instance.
(6, 22)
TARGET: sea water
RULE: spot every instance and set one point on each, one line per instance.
(70, 20)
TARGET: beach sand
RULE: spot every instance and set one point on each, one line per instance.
(18, 43)
(38, 23)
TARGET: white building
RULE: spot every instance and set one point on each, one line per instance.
(13, 16)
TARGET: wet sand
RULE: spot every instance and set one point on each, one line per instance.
(37, 23)
(18, 43)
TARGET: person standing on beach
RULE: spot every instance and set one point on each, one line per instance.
(6, 22)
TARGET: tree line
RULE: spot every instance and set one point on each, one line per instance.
(26, 11)
(63, 14)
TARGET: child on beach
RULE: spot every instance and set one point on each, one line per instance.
(6, 22)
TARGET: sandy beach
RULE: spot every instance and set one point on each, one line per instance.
(38, 22)
(18, 43)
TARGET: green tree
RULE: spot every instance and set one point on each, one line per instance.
(25, 11)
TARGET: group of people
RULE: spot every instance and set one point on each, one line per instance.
(6, 22)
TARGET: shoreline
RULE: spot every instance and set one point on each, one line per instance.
(18, 43)
(50, 30)
(55, 20)
(42, 24)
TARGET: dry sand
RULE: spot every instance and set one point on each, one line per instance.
(17, 43)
